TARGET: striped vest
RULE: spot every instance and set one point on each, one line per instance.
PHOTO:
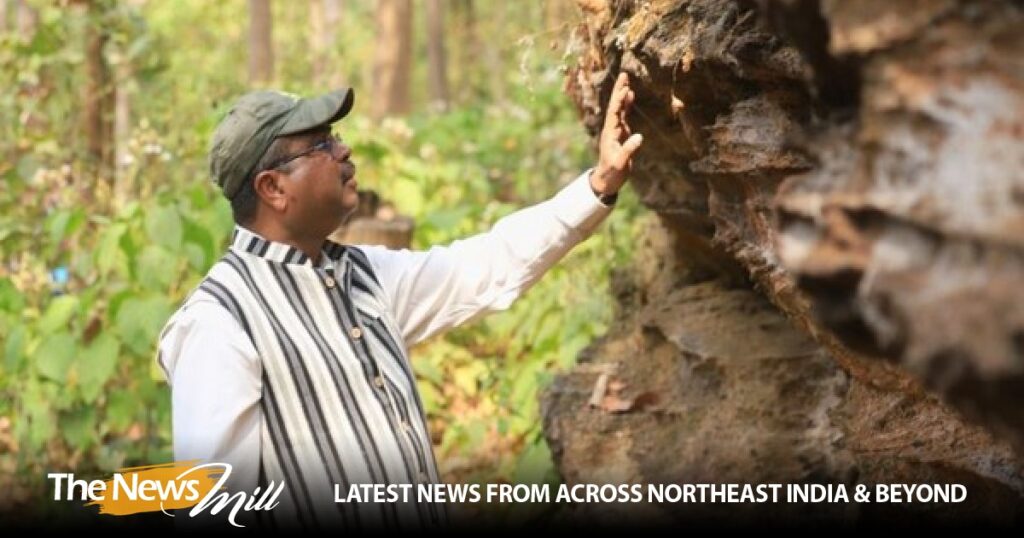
(339, 401)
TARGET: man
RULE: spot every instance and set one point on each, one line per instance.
(289, 361)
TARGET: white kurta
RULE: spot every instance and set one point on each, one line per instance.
(217, 374)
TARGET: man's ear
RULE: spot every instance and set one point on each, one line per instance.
(268, 185)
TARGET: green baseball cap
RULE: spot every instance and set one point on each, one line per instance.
(256, 119)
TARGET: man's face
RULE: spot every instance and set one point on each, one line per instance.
(320, 185)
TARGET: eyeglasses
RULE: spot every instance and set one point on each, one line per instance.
(328, 145)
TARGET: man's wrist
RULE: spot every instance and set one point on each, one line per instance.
(603, 194)
(606, 199)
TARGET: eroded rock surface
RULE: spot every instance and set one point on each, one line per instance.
(831, 290)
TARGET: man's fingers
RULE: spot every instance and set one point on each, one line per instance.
(621, 82)
(631, 145)
(611, 118)
(619, 96)
(626, 104)
(624, 130)
(622, 143)
(623, 114)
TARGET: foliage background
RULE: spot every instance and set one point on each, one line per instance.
(94, 261)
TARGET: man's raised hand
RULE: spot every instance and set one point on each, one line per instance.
(617, 143)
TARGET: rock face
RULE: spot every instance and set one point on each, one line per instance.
(831, 287)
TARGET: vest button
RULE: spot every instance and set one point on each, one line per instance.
(356, 333)
(330, 282)
(379, 381)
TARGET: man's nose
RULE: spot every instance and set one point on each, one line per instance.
(342, 152)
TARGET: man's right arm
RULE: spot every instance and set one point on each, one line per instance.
(214, 373)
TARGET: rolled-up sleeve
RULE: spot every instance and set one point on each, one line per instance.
(446, 286)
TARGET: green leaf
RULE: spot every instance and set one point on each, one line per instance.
(547, 337)
(528, 407)
(196, 257)
(121, 407)
(465, 378)
(428, 370)
(447, 219)
(452, 436)
(11, 300)
(519, 426)
(156, 373)
(409, 195)
(68, 397)
(108, 251)
(569, 351)
(163, 226)
(156, 268)
(76, 221)
(129, 211)
(58, 314)
(14, 350)
(79, 428)
(97, 364)
(139, 320)
(56, 224)
(198, 198)
(110, 458)
(131, 242)
(83, 262)
(222, 221)
(199, 236)
(534, 465)
(524, 386)
(87, 298)
(431, 397)
(38, 424)
(54, 356)
(116, 299)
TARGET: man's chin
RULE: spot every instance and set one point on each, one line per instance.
(348, 211)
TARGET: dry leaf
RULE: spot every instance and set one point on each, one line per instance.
(600, 387)
(614, 404)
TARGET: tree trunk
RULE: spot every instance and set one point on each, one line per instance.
(332, 16)
(261, 43)
(27, 20)
(392, 59)
(495, 56)
(468, 51)
(97, 94)
(436, 54)
(123, 91)
(324, 17)
(829, 289)
(317, 41)
(34, 122)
